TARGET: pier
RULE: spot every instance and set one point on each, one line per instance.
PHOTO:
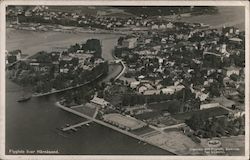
(73, 127)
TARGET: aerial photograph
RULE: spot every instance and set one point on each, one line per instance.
(125, 80)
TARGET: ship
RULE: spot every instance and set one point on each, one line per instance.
(24, 99)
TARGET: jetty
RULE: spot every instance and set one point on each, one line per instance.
(73, 127)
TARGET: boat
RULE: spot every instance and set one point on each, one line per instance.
(25, 96)
(24, 99)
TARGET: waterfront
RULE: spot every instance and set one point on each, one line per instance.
(32, 125)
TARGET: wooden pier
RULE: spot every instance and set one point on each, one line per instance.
(73, 127)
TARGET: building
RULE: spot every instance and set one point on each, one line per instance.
(14, 56)
(129, 43)
(232, 70)
(134, 84)
(99, 101)
(170, 25)
(172, 89)
(209, 105)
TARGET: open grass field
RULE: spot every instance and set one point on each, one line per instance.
(86, 110)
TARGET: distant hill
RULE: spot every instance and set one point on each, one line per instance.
(168, 10)
(123, 11)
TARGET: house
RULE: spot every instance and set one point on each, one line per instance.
(168, 91)
(232, 70)
(152, 92)
(155, 26)
(209, 105)
(172, 89)
(14, 56)
(202, 96)
(147, 41)
(235, 40)
(224, 102)
(129, 43)
(162, 26)
(170, 25)
(134, 84)
(99, 101)
(40, 67)
(142, 89)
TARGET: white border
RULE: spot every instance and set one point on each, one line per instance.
(118, 3)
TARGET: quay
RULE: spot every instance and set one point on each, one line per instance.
(173, 152)
(72, 127)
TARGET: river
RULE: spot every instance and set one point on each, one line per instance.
(33, 125)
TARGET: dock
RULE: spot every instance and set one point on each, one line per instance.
(73, 127)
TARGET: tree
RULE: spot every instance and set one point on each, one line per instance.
(94, 45)
(120, 40)
(234, 77)
(195, 122)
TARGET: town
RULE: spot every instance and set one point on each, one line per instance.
(181, 84)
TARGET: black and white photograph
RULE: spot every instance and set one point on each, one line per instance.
(124, 79)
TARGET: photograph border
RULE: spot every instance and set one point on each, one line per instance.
(3, 5)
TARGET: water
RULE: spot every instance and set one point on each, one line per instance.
(227, 16)
(32, 125)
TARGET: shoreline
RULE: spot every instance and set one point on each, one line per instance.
(74, 30)
(65, 89)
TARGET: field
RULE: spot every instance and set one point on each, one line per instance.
(142, 131)
(123, 120)
(89, 111)
(176, 139)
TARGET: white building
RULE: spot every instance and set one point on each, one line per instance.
(99, 101)
(170, 25)
(232, 70)
(209, 105)
(134, 84)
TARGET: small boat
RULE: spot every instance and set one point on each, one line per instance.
(87, 124)
(24, 99)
